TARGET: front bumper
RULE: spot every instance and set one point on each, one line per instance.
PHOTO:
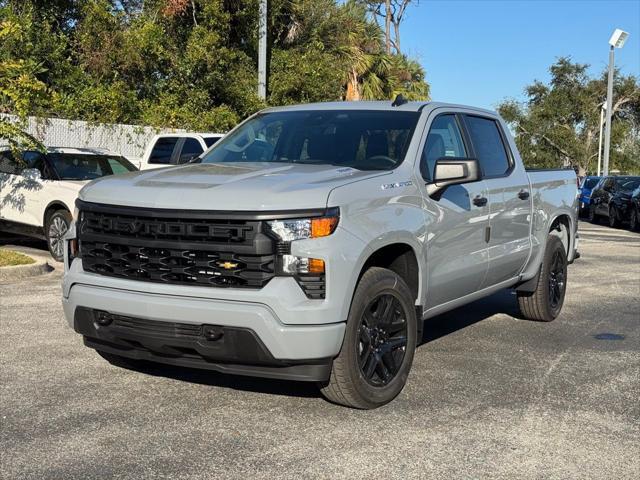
(297, 352)
(211, 347)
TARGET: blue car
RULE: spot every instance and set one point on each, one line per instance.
(587, 185)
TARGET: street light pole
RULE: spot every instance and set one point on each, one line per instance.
(600, 139)
(262, 51)
(616, 41)
(607, 134)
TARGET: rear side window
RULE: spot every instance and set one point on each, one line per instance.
(8, 164)
(190, 150)
(444, 140)
(488, 145)
(162, 150)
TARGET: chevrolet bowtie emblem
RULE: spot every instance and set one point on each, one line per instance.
(227, 265)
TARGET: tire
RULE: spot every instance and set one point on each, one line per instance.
(591, 215)
(544, 304)
(634, 220)
(614, 218)
(363, 377)
(56, 227)
(122, 362)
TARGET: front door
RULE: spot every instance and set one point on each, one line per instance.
(456, 250)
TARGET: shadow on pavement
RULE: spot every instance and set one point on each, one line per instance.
(503, 301)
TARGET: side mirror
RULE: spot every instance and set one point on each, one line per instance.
(452, 171)
(32, 174)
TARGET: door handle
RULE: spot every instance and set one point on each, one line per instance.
(480, 201)
(523, 194)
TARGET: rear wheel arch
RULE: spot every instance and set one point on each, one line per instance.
(562, 227)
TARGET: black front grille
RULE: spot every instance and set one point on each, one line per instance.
(175, 247)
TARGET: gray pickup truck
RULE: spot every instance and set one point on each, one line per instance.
(313, 241)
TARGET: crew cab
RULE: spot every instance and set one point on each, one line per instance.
(38, 192)
(176, 148)
(313, 240)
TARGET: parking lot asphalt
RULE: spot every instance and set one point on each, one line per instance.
(489, 396)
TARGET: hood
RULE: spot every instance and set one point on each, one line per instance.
(228, 186)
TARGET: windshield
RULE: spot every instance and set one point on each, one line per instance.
(629, 184)
(366, 140)
(78, 166)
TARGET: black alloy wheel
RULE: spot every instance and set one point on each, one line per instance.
(382, 340)
(557, 280)
(377, 351)
(545, 302)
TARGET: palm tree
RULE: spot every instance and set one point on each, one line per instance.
(366, 63)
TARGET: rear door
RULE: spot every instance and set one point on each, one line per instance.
(509, 194)
(456, 249)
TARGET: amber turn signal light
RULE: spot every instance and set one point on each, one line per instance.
(323, 226)
(316, 266)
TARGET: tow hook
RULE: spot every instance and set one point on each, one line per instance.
(212, 333)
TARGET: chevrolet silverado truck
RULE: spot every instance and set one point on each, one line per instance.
(313, 241)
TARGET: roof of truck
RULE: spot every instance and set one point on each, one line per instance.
(374, 105)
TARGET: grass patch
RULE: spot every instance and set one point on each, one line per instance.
(9, 258)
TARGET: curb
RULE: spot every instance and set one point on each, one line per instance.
(18, 272)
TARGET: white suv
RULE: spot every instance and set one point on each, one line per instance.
(38, 200)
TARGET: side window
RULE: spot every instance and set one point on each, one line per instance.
(162, 150)
(190, 150)
(488, 144)
(8, 164)
(444, 140)
(38, 161)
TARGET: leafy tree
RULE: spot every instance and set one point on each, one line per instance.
(21, 92)
(559, 123)
(193, 63)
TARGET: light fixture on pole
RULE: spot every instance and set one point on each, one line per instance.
(616, 41)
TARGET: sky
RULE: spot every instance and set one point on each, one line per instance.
(479, 52)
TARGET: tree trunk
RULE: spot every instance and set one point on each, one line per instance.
(387, 26)
(353, 87)
(396, 28)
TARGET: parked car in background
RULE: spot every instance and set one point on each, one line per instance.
(38, 200)
(176, 148)
(312, 241)
(609, 199)
(634, 210)
(586, 186)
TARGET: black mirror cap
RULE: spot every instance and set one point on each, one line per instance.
(453, 171)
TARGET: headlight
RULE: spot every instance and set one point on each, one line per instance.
(288, 231)
(299, 229)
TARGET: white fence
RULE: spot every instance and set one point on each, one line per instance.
(129, 141)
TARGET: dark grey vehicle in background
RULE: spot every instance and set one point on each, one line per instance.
(610, 199)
